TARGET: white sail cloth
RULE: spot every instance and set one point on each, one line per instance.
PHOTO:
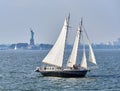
(84, 60)
(55, 56)
(73, 56)
(91, 54)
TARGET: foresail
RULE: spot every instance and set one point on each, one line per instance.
(84, 61)
(73, 56)
(91, 54)
(55, 56)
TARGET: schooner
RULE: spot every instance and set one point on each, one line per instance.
(53, 62)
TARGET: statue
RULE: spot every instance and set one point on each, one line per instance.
(32, 37)
(32, 34)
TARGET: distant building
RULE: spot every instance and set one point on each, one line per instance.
(32, 38)
(19, 46)
(117, 42)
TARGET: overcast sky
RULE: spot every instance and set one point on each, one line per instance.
(46, 17)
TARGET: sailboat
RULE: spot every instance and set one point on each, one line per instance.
(53, 62)
(15, 47)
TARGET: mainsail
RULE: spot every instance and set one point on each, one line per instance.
(73, 56)
(55, 56)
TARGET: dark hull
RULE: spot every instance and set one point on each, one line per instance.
(63, 73)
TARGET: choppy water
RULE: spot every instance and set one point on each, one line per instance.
(17, 73)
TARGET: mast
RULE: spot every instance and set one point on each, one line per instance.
(55, 56)
(84, 59)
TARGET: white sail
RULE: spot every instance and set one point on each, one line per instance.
(84, 61)
(15, 47)
(73, 56)
(91, 54)
(55, 56)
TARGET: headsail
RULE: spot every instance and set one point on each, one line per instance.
(73, 56)
(84, 61)
(91, 54)
(55, 56)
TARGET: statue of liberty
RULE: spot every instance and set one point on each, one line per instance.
(32, 34)
(32, 37)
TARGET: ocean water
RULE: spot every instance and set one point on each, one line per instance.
(17, 73)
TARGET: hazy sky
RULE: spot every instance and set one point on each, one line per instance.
(46, 17)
